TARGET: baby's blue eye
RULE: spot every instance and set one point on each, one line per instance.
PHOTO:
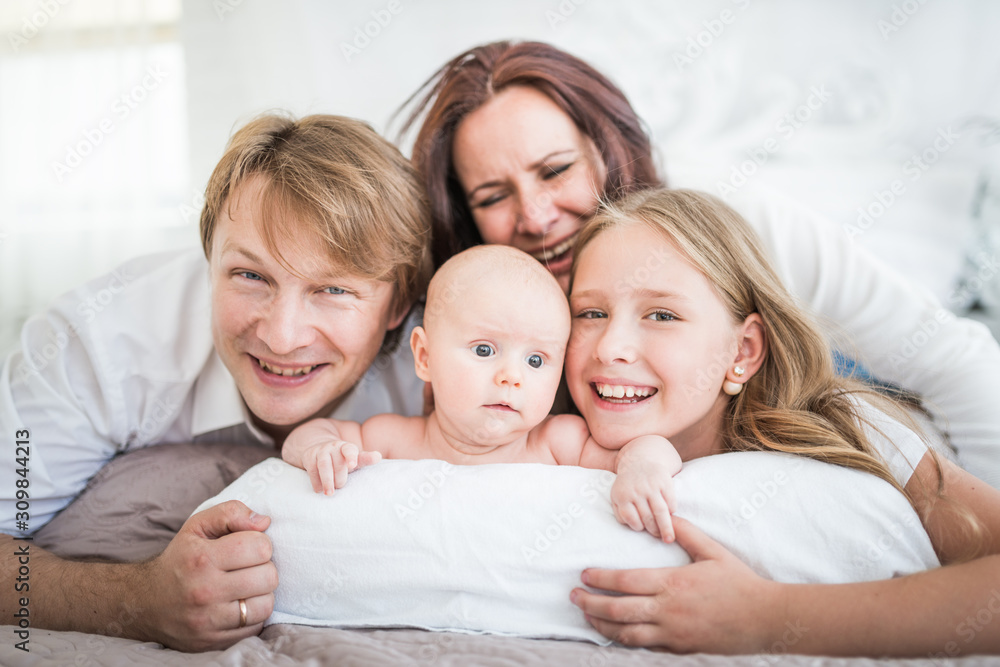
(535, 361)
(483, 350)
(334, 290)
(250, 275)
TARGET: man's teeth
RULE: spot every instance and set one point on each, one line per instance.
(287, 372)
(546, 255)
(620, 391)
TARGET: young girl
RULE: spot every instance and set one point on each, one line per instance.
(682, 329)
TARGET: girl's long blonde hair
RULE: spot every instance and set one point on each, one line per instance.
(795, 403)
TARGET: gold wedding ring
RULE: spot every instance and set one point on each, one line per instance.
(243, 613)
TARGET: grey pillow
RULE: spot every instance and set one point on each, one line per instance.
(134, 506)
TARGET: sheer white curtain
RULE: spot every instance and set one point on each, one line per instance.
(93, 144)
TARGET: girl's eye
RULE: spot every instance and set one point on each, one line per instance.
(662, 316)
(250, 275)
(334, 290)
(483, 350)
(535, 361)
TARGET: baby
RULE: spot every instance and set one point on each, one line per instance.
(492, 343)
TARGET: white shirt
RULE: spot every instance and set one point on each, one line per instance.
(898, 330)
(126, 361)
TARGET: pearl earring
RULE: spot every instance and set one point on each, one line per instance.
(733, 388)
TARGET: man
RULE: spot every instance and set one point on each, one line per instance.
(317, 236)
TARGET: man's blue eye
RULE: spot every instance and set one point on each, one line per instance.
(535, 361)
(483, 350)
(334, 290)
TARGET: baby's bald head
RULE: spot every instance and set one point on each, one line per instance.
(476, 277)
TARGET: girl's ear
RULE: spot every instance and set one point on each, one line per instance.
(421, 361)
(752, 350)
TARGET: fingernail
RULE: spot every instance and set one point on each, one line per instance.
(573, 595)
(253, 517)
(585, 577)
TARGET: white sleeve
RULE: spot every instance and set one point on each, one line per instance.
(899, 331)
(900, 446)
(85, 384)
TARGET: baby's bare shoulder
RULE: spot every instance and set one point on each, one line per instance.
(564, 436)
(394, 436)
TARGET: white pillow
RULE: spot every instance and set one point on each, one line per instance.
(498, 548)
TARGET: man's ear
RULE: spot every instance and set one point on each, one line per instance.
(399, 313)
(752, 350)
(421, 361)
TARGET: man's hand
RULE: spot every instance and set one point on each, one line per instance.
(192, 590)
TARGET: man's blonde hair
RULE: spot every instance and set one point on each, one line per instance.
(341, 180)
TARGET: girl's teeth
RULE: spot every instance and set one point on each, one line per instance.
(621, 391)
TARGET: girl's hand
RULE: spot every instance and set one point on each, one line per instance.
(715, 604)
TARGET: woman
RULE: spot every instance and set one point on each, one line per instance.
(518, 143)
(520, 140)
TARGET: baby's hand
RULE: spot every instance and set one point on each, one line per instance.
(645, 502)
(329, 463)
(643, 493)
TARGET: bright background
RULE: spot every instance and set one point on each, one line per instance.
(136, 101)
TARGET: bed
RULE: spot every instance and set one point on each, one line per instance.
(131, 509)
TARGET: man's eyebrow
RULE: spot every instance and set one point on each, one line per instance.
(229, 247)
(534, 165)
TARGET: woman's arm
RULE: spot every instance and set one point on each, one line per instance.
(901, 332)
